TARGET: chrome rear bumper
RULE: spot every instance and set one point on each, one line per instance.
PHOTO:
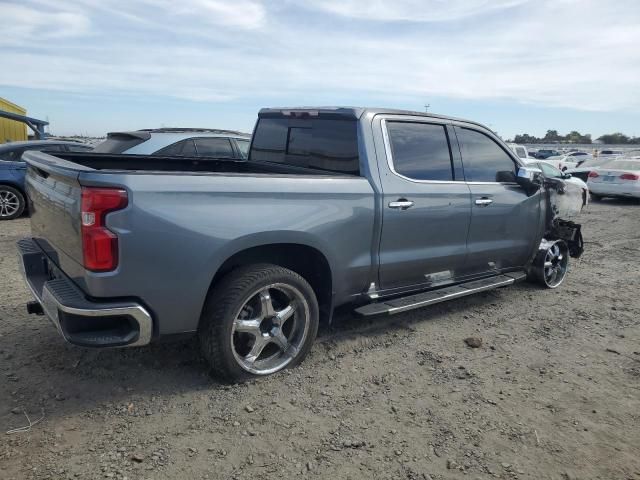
(79, 320)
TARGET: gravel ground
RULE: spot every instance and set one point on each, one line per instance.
(552, 393)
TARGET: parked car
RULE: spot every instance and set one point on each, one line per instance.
(384, 210)
(12, 170)
(546, 153)
(568, 160)
(618, 178)
(610, 153)
(13, 151)
(180, 142)
(520, 150)
(582, 171)
(549, 171)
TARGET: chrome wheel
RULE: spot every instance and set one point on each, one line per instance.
(270, 328)
(556, 261)
(9, 203)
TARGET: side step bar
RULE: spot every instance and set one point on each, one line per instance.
(403, 304)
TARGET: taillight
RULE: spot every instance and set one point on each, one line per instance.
(593, 175)
(99, 244)
(629, 176)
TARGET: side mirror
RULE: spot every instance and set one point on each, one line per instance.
(566, 176)
(530, 179)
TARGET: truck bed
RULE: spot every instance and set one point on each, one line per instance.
(157, 163)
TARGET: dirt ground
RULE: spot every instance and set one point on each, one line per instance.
(553, 392)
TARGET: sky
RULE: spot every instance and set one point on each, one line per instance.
(93, 66)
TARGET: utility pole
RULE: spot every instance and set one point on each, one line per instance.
(426, 107)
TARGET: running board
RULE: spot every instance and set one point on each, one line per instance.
(403, 304)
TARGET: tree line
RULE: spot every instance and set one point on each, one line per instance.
(552, 136)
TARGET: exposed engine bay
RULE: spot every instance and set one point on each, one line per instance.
(563, 237)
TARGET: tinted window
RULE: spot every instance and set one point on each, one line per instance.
(175, 149)
(420, 150)
(47, 148)
(78, 148)
(549, 171)
(188, 148)
(322, 144)
(213, 147)
(482, 157)
(243, 146)
(11, 155)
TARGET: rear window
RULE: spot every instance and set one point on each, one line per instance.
(213, 147)
(521, 152)
(321, 144)
(420, 150)
(623, 165)
(119, 143)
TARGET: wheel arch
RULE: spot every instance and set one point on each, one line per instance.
(306, 260)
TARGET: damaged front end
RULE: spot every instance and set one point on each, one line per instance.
(562, 236)
(564, 202)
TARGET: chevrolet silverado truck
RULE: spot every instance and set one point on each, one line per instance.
(384, 210)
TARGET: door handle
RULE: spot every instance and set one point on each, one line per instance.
(483, 202)
(401, 203)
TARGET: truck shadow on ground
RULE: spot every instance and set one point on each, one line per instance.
(41, 372)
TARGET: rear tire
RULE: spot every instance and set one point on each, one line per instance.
(258, 320)
(12, 202)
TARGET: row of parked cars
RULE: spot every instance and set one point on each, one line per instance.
(171, 142)
(609, 174)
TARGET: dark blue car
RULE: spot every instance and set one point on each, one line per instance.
(12, 171)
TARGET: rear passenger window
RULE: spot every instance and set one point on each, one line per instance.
(213, 147)
(172, 150)
(482, 157)
(420, 151)
(243, 146)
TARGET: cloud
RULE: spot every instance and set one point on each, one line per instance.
(411, 10)
(581, 55)
(20, 24)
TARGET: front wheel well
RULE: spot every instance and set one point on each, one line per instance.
(306, 261)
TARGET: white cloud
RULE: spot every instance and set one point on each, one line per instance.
(581, 55)
(20, 24)
(411, 10)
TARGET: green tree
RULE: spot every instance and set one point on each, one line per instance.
(552, 136)
(614, 138)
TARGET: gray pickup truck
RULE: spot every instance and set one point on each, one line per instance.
(383, 210)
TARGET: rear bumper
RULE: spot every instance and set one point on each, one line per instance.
(81, 321)
(631, 189)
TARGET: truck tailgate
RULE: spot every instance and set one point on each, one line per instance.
(54, 201)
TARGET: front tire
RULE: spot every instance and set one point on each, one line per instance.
(595, 197)
(551, 264)
(12, 203)
(258, 320)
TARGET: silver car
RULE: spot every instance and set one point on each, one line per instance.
(180, 142)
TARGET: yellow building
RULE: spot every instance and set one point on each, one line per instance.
(10, 130)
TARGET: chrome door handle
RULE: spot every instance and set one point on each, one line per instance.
(484, 202)
(402, 204)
